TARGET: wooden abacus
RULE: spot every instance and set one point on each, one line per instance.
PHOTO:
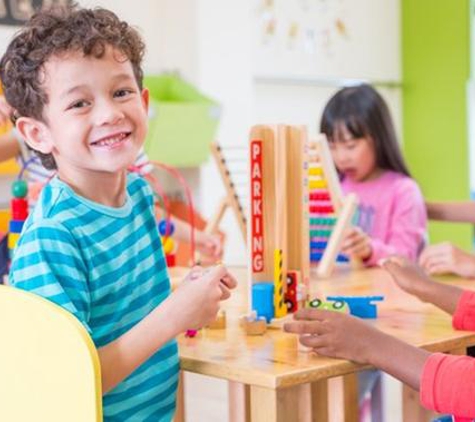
(330, 213)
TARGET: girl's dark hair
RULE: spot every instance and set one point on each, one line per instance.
(55, 31)
(364, 113)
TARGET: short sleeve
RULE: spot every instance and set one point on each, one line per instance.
(47, 261)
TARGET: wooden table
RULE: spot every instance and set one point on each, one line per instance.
(279, 378)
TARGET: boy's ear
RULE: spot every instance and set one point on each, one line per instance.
(35, 134)
(145, 98)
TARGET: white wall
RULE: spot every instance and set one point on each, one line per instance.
(210, 43)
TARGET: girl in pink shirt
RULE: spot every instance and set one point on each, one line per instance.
(392, 216)
(446, 383)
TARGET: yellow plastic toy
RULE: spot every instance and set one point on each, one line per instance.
(49, 366)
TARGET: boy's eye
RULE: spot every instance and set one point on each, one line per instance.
(122, 92)
(79, 104)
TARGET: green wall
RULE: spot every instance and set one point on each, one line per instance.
(436, 62)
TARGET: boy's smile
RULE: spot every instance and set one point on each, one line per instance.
(95, 118)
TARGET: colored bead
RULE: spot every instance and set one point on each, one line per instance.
(168, 245)
(166, 228)
(15, 226)
(19, 189)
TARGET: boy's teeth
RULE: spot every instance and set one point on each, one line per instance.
(110, 141)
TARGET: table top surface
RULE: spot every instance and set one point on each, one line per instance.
(274, 360)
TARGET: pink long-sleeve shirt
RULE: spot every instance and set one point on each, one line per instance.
(392, 212)
(448, 381)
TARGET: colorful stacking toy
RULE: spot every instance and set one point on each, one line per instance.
(19, 213)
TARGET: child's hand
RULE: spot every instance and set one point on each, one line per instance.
(446, 258)
(334, 334)
(408, 276)
(210, 245)
(197, 297)
(5, 111)
(356, 244)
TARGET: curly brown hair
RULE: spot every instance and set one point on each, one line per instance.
(55, 31)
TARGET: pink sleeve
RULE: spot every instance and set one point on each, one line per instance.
(464, 315)
(448, 385)
(407, 226)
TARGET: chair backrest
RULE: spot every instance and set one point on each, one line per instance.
(49, 366)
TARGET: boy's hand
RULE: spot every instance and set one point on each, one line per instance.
(210, 245)
(408, 276)
(198, 296)
(446, 258)
(334, 334)
(357, 244)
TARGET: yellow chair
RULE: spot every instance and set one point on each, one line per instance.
(49, 366)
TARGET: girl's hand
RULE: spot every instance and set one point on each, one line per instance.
(335, 334)
(357, 244)
(446, 258)
(408, 276)
(197, 297)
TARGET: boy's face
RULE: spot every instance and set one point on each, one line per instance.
(96, 115)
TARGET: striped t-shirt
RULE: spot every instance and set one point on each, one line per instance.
(106, 266)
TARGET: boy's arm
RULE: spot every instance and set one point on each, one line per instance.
(192, 305)
(462, 212)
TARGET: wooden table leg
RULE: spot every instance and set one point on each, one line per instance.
(268, 405)
(343, 394)
(411, 406)
(319, 401)
(180, 399)
(239, 402)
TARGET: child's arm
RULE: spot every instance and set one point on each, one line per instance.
(446, 258)
(207, 244)
(9, 147)
(342, 336)
(413, 280)
(194, 304)
(446, 383)
(462, 212)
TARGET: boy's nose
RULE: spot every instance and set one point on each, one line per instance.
(108, 113)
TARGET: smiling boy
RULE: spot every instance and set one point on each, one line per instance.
(74, 79)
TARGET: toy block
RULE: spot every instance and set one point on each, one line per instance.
(291, 295)
(220, 322)
(253, 326)
(360, 306)
(263, 300)
(335, 305)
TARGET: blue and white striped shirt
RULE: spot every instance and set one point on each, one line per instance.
(106, 266)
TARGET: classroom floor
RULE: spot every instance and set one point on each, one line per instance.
(207, 399)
